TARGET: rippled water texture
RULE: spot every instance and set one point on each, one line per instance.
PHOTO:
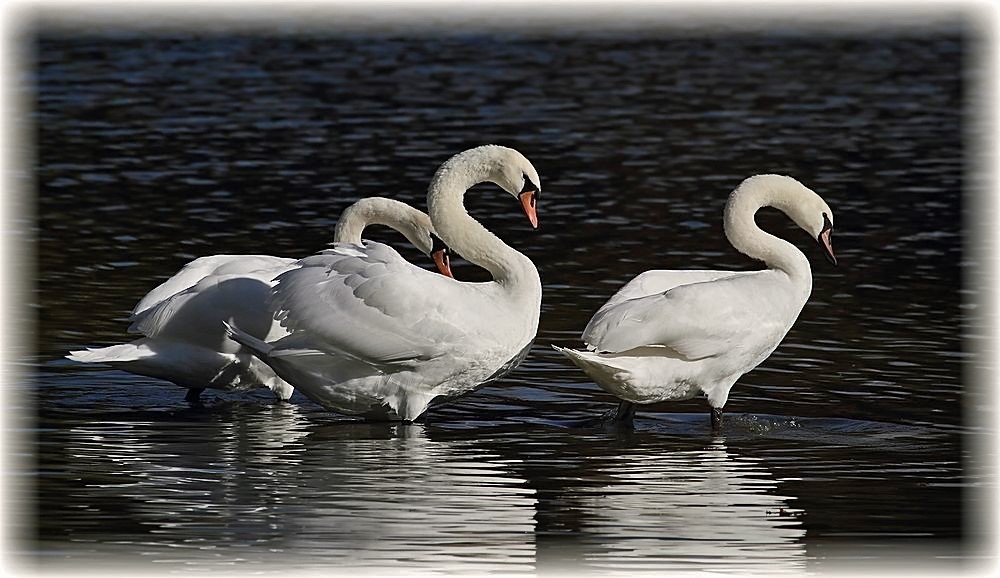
(849, 443)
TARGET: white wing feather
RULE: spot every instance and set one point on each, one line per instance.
(195, 314)
(659, 281)
(375, 306)
(203, 267)
(697, 320)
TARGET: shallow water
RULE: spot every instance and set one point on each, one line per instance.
(849, 443)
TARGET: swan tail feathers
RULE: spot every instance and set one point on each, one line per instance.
(281, 389)
(604, 370)
(265, 375)
(580, 358)
(574, 355)
(112, 354)
(259, 347)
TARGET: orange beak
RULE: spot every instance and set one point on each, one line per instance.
(443, 262)
(827, 244)
(527, 199)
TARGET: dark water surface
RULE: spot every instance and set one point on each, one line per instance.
(849, 444)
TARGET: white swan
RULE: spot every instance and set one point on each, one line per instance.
(670, 335)
(373, 335)
(182, 319)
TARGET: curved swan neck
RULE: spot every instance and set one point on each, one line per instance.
(412, 223)
(463, 233)
(744, 234)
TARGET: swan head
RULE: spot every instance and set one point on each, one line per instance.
(806, 208)
(812, 214)
(815, 217)
(441, 254)
(515, 174)
(512, 172)
(420, 231)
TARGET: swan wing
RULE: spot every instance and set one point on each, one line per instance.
(659, 281)
(696, 320)
(200, 268)
(367, 302)
(196, 314)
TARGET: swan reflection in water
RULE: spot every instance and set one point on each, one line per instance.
(279, 487)
(693, 510)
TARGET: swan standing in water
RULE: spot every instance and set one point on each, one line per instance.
(375, 336)
(185, 340)
(670, 335)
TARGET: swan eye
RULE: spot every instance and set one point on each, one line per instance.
(529, 187)
(438, 245)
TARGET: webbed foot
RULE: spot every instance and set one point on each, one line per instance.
(194, 395)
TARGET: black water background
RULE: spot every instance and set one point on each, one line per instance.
(156, 150)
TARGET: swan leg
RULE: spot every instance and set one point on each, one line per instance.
(626, 413)
(194, 395)
(716, 419)
(620, 417)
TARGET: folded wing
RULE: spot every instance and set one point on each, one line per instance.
(200, 268)
(374, 306)
(697, 319)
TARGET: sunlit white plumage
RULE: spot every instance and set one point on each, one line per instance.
(671, 335)
(374, 335)
(184, 339)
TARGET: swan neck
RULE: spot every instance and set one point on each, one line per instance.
(350, 227)
(746, 237)
(464, 234)
(381, 211)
